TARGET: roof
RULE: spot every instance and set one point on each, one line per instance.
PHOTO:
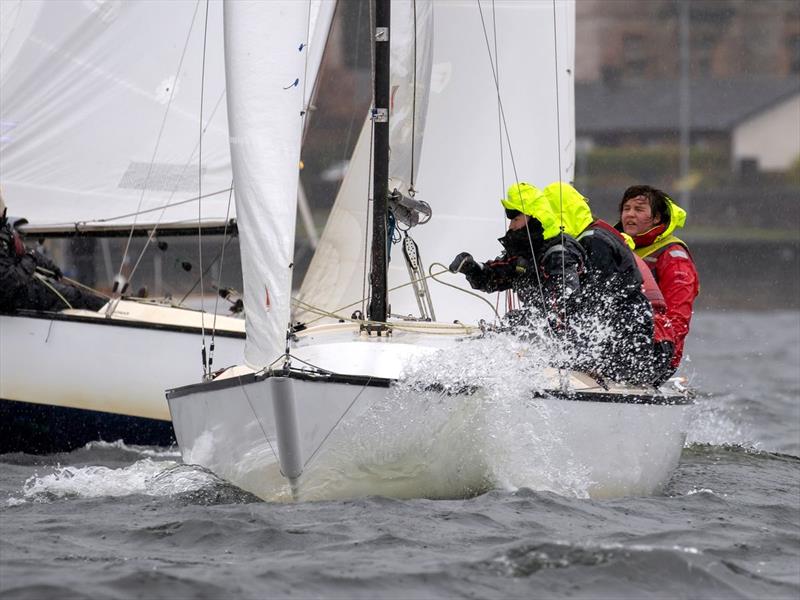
(653, 106)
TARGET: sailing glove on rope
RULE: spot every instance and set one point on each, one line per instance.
(464, 263)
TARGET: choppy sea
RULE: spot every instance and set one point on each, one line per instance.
(112, 521)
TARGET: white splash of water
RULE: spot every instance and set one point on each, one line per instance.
(146, 477)
(431, 437)
(171, 452)
(714, 421)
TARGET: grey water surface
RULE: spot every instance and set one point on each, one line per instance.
(109, 521)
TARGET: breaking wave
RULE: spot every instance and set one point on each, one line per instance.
(144, 477)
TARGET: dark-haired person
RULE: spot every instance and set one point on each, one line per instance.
(585, 274)
(650, 217)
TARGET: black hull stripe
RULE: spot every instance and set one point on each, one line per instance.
(360, 380)
(57, 316)
(45, 429)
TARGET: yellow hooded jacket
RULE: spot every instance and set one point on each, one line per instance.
(557, 204)
(677, 219)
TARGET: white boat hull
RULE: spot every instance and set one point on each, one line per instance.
(353, 434)
(116, 366)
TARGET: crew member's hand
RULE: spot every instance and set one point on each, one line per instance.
(463, 263)
(662, 361)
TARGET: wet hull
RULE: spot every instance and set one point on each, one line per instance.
(314, 435)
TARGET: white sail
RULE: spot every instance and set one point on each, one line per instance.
(460, 174)
(91, 126)
(93, 130)
(336, 274)
(265, 58)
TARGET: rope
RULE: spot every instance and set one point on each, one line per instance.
(166, 205)
(206, 364)
(364, 274)
(499, 112)
(560, 187)
(43, 279)
(219, 278)
(411, 189)
(49, 273)
(496, 77)
(77, 225)
(261, 426)
(370, 191)
(339, 420)
(478, 296)
(335, 314)
(304, 110)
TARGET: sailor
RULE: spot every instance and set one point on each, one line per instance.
(30, 280)
(579, 272)
(650, 217)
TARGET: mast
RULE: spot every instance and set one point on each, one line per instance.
(378, 304)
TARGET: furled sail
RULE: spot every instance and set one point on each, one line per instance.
(264, 60)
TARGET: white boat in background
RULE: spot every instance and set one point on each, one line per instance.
(75, 376)
(101, 114)
(344, 406)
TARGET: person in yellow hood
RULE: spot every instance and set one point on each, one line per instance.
(650, 217)
(579, 272)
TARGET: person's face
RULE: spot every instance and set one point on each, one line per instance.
(518, 222)
(637, 216)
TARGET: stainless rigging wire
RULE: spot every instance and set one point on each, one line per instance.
(560, 183)
(167, 204)
(219, 277)
(206, 364)
(411, 190)
(495, 75)
(158, 138)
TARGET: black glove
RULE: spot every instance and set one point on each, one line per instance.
(46, 266)
(662, 359)
(463, 263)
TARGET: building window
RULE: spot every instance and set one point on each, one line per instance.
(793, 50)
(703, 54)
(634, 55)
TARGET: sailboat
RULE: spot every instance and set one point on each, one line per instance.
(100, 138)
(397, 393)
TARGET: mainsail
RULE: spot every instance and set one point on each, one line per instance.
(96, 131)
